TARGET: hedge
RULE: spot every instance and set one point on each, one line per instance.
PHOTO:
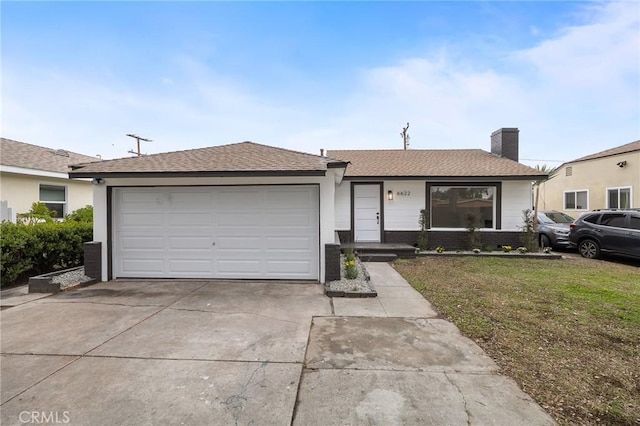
(29, 250)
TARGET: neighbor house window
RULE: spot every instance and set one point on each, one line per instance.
(619, 198)
(576, 200)
(458, 206)
(55, 198)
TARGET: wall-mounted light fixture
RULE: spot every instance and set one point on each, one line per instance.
(621, 164)
(389, 195)
(97, 181)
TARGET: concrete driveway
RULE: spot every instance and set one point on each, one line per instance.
(246, 353)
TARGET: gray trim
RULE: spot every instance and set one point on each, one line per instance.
(267, 173)
(442, 178)
(109, 233)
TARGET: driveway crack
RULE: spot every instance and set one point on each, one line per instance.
(238, 401)
(464, 400)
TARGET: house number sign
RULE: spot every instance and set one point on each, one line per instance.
(403, 193)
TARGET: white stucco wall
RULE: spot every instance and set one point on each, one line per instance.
(516, 197)
(343, 206)
(402, 213)
(326, 183)
(20, 191)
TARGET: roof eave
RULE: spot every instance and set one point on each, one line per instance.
(447, 178)
(260, 173)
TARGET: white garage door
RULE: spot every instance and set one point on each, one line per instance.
(268, 232)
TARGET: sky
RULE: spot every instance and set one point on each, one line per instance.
(321, 75)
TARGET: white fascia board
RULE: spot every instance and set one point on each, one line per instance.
(41, 173)
(33, 172)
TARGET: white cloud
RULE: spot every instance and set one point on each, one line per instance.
(570, 95)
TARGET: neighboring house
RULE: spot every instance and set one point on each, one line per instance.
(383, 192)
(31, 173)
(607, 179)
(250, 211)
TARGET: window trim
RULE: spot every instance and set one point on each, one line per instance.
(65, 203)
(618, 188)
(497, 202)
(575, 191)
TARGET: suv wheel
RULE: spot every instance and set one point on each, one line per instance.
(589, 249)
(545, 241)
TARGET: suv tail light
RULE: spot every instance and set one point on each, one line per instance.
(572, 225)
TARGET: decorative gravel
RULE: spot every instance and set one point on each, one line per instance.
(70, 278)
(359, 284)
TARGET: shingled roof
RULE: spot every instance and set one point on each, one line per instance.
(622, 149)
(431, 163)
(224, 160)
(27, 156)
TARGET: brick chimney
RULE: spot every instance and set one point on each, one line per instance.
(504, 143)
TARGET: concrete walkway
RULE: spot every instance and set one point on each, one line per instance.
(215, 352)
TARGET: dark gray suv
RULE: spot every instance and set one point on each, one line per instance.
(607, 231)
(553, 227)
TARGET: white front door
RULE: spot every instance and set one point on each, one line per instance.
(261, 232)
(366, 212)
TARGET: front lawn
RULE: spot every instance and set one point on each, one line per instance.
(568, 331)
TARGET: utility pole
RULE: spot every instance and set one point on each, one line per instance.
(138, 139)
(405, 136)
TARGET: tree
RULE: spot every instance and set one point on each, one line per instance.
(39, 213)
(551, 173)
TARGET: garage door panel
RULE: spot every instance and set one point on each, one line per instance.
(134, 199)
(288, 268)
(142, 242)
(183, 199)
(142, 219)
(238, 218)
(238, 199)
(190, 219)
(217, 232)
(135, 266)
(190, 266)
(190, 243)
(236, 267)
(288, 243)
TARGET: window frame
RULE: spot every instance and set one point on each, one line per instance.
(497, 202)
(618, 188)
(64, 203)
(575, 192)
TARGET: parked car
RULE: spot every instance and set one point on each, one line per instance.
(553, 228)
(613, 231)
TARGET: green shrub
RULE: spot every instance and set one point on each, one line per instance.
(39, 248)
(39, 213)
(423, 236)
(83, 214)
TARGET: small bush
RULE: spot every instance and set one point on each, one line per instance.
(350, 271)
(83, 214)
(423, 236)
(475, 237)
(39, 248)
(527, 233)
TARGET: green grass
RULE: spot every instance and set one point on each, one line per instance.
(568, 331)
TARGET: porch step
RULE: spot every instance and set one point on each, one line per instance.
(377, 257)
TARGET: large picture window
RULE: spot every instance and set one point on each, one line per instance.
(456, 206)
(619, 198)
(576, 200)
(55, 198)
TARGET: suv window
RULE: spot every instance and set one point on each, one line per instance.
(613, 219)
(634, 222)
(593, 218)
